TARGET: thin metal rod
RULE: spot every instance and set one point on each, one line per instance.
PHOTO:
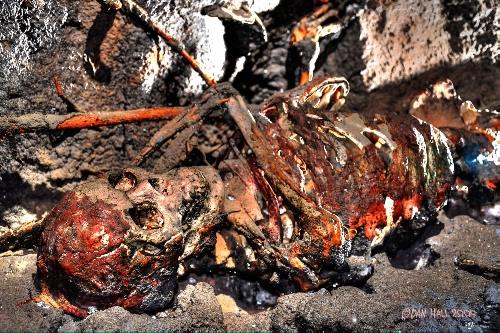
(37, 121)
(138, 12)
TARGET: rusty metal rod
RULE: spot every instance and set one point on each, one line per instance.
(138, 12)
(37, 121)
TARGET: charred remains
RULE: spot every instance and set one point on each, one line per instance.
(295, 192)
(321, 176)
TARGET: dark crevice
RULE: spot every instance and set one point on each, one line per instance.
(15, 191)
(94, 67)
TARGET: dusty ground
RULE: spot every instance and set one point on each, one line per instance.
(439, 298)
(107, 61)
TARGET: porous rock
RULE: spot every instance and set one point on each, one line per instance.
(197, 310)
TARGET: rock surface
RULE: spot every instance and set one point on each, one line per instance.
(405, 38)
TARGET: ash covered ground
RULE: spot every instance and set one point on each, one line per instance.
(435, 298)
(106, 61)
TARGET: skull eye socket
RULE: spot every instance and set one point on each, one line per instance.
(147, 216)
(159, 185)
(123, 181)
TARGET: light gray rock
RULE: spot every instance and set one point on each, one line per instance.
(405, 38)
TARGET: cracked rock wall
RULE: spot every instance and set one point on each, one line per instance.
(405, 38)
(105, 61)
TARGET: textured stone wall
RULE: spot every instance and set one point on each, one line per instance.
(405, 38)
(105, 61)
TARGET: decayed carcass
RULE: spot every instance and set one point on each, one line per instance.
(325, 180)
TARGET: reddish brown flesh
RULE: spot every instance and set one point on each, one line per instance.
(82, 246)
(359, 189)
(273, 228)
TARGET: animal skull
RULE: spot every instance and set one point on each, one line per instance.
(119, 241)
